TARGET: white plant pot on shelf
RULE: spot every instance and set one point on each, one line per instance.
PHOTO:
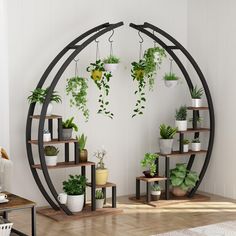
(181, 125)
(196, 102)
(99, 203)
(51, 160)
(47, 137)
(166, 146)
(196, 147)
(185, 147)
(171, 83)
(49, 109)
(75, 203)
(110, 67)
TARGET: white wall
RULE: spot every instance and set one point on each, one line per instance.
(211, 40)
(38, 30)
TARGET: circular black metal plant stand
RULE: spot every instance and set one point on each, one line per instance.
(75, 47)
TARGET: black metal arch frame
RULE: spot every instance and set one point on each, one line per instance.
(76, 48)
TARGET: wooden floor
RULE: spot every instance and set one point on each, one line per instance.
(136, 220)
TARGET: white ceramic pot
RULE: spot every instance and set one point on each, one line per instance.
(99, 203)
(110, 67)
(181, 125)
(196, 102)
(196, 147)
(62, 198)
(49, 109)
(185, 147)
(171, 83)
(166, 146)
(47, 137)
(51, 160)
(75, 203)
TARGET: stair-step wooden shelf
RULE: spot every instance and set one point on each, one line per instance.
(154, 179)
(179, 154)
(198, 108)
(195, 130)
(107, 185)
(61, 165)
(51, 117)
(54, 141)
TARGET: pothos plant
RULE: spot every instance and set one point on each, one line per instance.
(101, 79)
(77, 87)
(144, 72)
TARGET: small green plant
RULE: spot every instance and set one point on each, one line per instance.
(82, 141)
(186, 141)
(196, 140)
(39, 95)
(170, 76)
(99, 194)
(111, 60)
(156, 187)
(167, 132)
(77, 87)
(75, 185)
(69, 124)
(197, 93)
(149, 161)
(181, 113)
(100, 155)
(183, 178)
(51, 151)
(199, 119)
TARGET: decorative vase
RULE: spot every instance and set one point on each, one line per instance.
(196, 102)
(99, 203)
(67, 134)
(155, 195)
(185, 147)
(75, 203)
(196, 147)
(110, 67)
(171, 83)
(83, 156)
(51, 160)
(96, 75)
(178, 192)
(166, 146)
(101, 176)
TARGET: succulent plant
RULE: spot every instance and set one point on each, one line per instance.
(50, 151)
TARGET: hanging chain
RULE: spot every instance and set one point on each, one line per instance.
(171, 61)
(76, 67)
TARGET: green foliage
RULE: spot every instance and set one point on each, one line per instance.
(75, 185)
(197, 93)
(82, 141)
(111, 60)
(196, 140)
(149, 162)
(167, 132)
(77, 87)
(181, 113)
(100, 155)
(69, 124)
(170, 76)
(98, 65)
(155, 187)
(99, 194)
(186, 141)
(50, 151)
(39, 95)
(199, 119)
(181, 177)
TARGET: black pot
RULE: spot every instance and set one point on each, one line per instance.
(147, 174)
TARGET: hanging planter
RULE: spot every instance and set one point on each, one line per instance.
(171, 80)
(111, 63)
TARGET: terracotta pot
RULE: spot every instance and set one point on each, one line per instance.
(178, 192)
(101, 176)
(83, 156)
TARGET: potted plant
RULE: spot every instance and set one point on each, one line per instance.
(186, 145)
(83, 156)
(39, 95)
(155, 192)
(99, 199)
(101, 171)
(96, 69)
(196, 95)
(46, 135)
(77, 87)
(50, 153)
(111, 63)
(149, 161)
(196, 145)
(182, 179)
(199, 121)
(171, 80)
(75, 189)
(181, 118)
(166, 141)
(67, 128)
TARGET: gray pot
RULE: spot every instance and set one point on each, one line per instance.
(66, 134)
(166, 146)
(99, 203)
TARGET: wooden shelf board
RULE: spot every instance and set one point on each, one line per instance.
(191, 130)
(61, 165)
(197, 108)
(51, 117)
(178, 154)
(145, 179)
(54, 141)
(107, 185)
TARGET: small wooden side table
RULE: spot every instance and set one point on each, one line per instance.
(19, 203)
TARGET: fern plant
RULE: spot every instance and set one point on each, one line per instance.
(167, 132)
(181, 113)
(197, 93)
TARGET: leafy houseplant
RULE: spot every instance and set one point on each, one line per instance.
(75, 189)
(181, 118)
(196, 145)
(83, 152)
(50, 153)
(67, 128)
(196, 95)
(155, 192)
(101, 79)
(182, 179)
(149, 161)
(186, 145)
(110, 63)
(171, 80)
(101, 171)
(77, 87)
(166, 141)
(99, 199)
